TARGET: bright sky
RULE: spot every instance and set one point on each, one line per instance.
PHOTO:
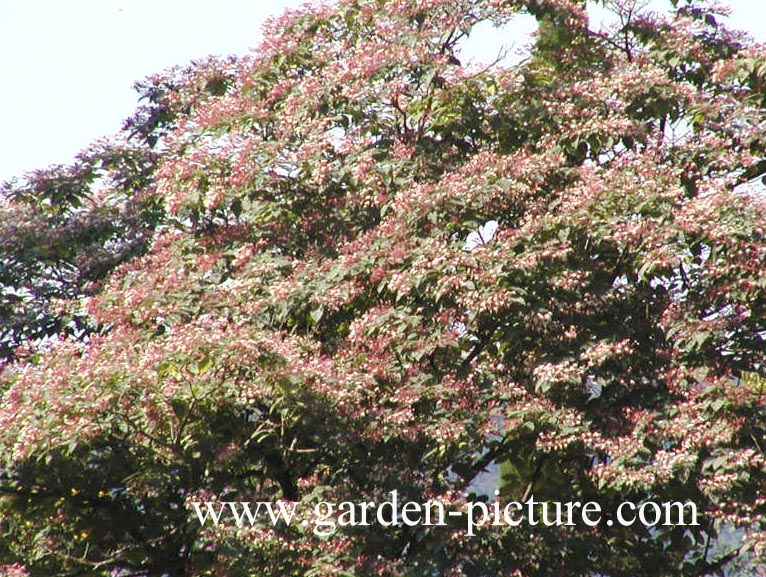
(67, 67)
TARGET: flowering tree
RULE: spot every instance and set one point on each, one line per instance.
(309, 323)
(63, 229)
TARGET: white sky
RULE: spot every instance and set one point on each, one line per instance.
(67, 66)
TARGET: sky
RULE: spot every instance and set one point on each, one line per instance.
(68, 66)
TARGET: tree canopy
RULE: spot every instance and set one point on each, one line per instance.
(350, 263)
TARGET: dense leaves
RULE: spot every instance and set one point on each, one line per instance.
(62, 230)
(379, 269)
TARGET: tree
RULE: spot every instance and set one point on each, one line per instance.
(63, 229)
(309, 323)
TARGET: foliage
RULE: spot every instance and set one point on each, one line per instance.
(62, 230)
(310, 324)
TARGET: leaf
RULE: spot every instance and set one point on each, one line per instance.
(316, 315)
